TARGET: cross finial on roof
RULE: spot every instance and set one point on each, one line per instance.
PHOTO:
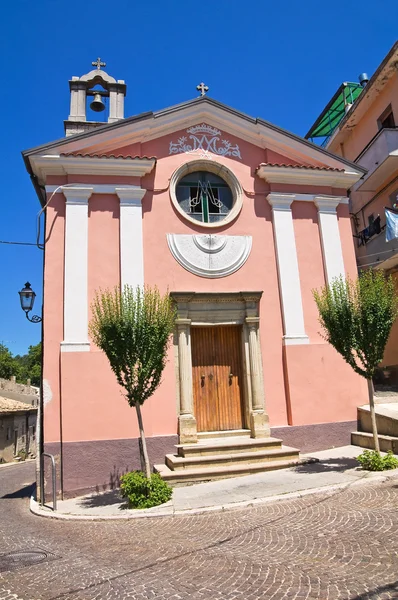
(202, 88)
(98, 63)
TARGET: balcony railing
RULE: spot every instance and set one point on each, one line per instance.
(380, 157)
(378, 253)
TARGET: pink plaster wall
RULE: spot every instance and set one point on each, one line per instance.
(322, 387)
(92, 404)
(103, 244)
(94, 408)
(390, 357)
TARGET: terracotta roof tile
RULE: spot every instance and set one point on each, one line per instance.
(311, 167)
(103, 155)
(10, 406)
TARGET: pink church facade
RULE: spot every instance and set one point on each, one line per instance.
(239, 221)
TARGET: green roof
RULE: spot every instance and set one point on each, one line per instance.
(334, 111)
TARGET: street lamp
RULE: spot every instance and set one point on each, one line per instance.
(27, 297)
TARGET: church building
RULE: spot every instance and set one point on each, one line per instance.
(240, 221)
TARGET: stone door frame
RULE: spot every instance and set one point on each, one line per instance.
(215, 309)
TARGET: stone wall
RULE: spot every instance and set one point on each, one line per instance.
(19, 391)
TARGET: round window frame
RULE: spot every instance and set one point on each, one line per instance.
(221, 171)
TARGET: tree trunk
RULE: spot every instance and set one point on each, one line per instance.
(373, 415)
(143, 448)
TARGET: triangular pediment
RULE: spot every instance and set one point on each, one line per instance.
(128, 138)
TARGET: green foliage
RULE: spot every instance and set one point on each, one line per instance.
(22, 454)
(8, 366)
(23, 367)
(370, 460)
(30, 365)
(133, 328)
(357, 317)
(142, 492)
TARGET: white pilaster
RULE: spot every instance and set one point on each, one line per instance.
(131, 238)
(289, 279)
(76, 269)
(330, 237)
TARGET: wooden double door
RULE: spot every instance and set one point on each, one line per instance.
(217, 377)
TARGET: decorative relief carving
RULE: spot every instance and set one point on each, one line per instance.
(205, 140)
(210, 255)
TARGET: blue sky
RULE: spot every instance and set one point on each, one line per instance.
(281, 61)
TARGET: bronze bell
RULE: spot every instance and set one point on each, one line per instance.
(97, 105)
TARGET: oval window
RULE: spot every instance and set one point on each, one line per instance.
(204, 196)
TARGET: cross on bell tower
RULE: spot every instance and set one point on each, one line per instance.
(202, 88)
(97, 63)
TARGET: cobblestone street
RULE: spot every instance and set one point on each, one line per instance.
(337, 545)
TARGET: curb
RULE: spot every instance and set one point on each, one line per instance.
(37, 510)
(17, 462)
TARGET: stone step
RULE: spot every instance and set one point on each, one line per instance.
(197, 462)
(364, 439)
(222, 472)
(230, 445)
(208, 435)
(386, 419)
(386, 398)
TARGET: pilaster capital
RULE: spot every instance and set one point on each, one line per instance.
(77, 195)
(183, 323)
(252, 322)
(327, 204)
(281, 201)
(131, 196)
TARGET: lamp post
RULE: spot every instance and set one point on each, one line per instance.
(27, 297)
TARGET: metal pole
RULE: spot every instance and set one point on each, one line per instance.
(54, 480)
(42, 479)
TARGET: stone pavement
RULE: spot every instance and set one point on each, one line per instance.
(336, 467)
(339, 544)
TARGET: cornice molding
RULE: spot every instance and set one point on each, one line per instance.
(160, 124)
(185, 298)
(55, 164)
(339, 179)
(97, 188)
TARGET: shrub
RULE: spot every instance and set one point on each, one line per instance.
(22, 454)
(142, 492)
(371, 460)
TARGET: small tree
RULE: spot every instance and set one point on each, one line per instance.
(133, 328)
(357, 317)
(8, 364)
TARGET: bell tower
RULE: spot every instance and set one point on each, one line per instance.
(96, 84)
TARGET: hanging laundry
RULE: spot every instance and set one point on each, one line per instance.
(391, 224)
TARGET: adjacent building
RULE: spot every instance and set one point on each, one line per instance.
(360, 124)
(17, 430)
(240, 221)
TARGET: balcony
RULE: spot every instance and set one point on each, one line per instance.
(378, 253)
(380, 157)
